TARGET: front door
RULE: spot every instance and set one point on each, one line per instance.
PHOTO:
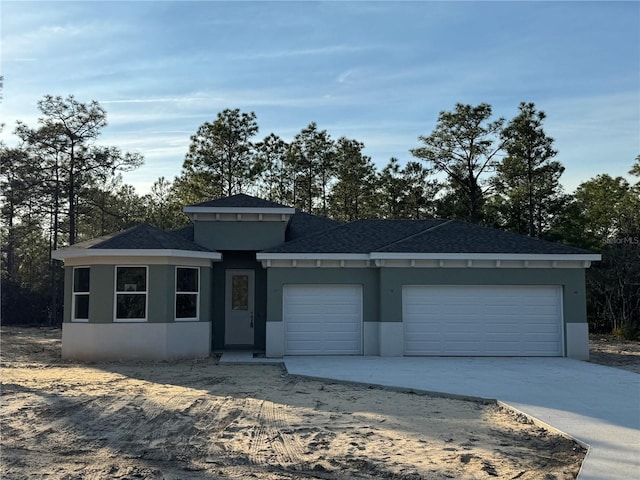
(239, 307)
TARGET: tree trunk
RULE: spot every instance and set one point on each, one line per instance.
(532, 230)
(72, 199)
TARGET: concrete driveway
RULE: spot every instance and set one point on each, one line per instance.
(597, 405)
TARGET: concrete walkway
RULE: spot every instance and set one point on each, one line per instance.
(597, 405)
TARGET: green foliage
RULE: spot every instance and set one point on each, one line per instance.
(162, 208)
(613, 286)
(527, 181)
(605, 216)
(53, 187)
(63, 148)
(278, 174)
(353, 195)
(609, 207)
(406, 192)
(635, 169)
(312, 156)
(464, 145)
(220, 159)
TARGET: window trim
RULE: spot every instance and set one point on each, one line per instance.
(176, 293)
(116, 293)
(74, 294)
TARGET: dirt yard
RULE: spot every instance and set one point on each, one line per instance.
(200, 420)
(614, 352)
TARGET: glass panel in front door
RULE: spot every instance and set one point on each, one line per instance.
(240, 292)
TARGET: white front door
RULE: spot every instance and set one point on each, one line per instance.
(239, 307)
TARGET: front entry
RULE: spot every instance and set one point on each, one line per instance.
(239, 308)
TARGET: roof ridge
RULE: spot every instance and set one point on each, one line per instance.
(404, 239)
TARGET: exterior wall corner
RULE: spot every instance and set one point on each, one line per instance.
(577, 341)
(275, 340)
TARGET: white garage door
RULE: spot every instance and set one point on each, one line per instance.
(482, 320)
(322, 319)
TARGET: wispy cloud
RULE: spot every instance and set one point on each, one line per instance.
(306, 52)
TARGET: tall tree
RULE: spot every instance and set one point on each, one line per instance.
(527, 181)
(609, 206)
(64, 145)
(353, 195)
(420, 191)
(312, 155)
(391, 191)
(16, 171)
(162, 208)
(220, 160)
(277, 179)
(635, 169)
(464, 145)
(605, 216)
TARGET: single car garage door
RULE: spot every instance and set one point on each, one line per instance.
(322, 319)
(482, 320)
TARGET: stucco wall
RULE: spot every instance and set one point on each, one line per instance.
(160, 293)
(572, 281)
(135, 341)
(382, 299)
(241, 235)
(367, 277)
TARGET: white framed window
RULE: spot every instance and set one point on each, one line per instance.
(80, 300)
(131, 293)
(187, 294)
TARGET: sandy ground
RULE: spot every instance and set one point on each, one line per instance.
(614, 352)
(200, 420)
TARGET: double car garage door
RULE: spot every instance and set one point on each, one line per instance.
(438, 320)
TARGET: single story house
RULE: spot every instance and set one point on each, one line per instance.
(253, 274)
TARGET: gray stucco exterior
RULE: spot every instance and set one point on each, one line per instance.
(281, 247)
(243, 236)
(160, 291)
(382, 295)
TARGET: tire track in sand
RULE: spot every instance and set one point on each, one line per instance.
(272, 441)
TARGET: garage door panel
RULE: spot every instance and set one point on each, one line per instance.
(482, 320)
(322, 319)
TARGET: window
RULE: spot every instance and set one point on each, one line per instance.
(240, 292)
(80, 303)
(131, 294)
(187, 293)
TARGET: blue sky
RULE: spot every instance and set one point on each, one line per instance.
(379, 72)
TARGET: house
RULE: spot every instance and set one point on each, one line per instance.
(256, 275)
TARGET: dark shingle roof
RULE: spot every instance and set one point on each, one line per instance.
(240, 201)
(184, 232)
(146, 237)
(420, 236)
(303, 224)
(461, 237)
(361, 236)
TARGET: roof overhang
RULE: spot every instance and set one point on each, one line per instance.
(484, 256)
(312, 256)
(281, 214)
(76, 253)
(426, 260)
